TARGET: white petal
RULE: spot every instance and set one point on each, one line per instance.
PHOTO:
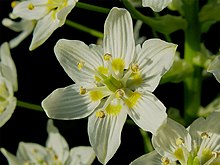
(105, 134)
(31, 151)
(38, 11)
(43, 30)
(10, 157)
(156, 5)
(118, 35)
(148, 113)
(164, 141)
(214, 68)
(155, 58)
(81, 155)
(71, 53)
(8, 68)
(152, 158)
(57, 142)
(66, 103)
(6, 115)
(210, 126)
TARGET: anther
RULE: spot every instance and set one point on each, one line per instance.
(107, 57)
(14, 3)
(80, 65)
(82, 90)
(205, 135)
(30, 6)
(120, 93)
(216, 154)
(100, 114)
(134, 68)
(165, 161)
(179, 141)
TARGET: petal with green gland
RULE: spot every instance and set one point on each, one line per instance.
(156, 5)
(67, 103)
(105, 134)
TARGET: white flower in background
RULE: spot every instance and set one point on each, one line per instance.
(56, 152)
(49, 15)
(199, 144)
(137, 38)
(8, 84)
(156, 5)
(214, 68)
(111, 82)
(25, 27)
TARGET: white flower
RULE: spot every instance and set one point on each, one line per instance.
(111, 82)
(214, 68)
(8, 84)
(56, 151)
(24, 26)
(156, 5)
(199, 144)
(49, 14)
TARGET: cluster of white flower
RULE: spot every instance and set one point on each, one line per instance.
(111, 81)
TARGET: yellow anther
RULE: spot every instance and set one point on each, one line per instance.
(134, 68)
(107, 57)
(80, 65)
(30, 6)
(82, 90)
(14, 3)
(120, 93)
(205, 135)
(216, 154)
(165, 161)
(179, 141)
(100, 114)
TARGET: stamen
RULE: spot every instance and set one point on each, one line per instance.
(14, 3)
(165, 161)
(216, 154)
(30, 6)
(80, 65)
(179, 141)
(119, 93)
(107, 57)
(205, 135)
(134, 68)
(100, 114)
(82, 90)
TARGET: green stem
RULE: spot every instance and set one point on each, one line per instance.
(78, 26)
(192, 84)
(29, 106)
(92, 7)
(146, 140)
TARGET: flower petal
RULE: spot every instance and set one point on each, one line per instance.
(105, 134)
(8, 68)
(156, 5)
(165, 140)
(214, 68)
(206, 132)
(81, 155)
(155, 58)
(118, 35)
(31, 152)
(148, 113)
(57, 142)
(24, 26)
(31, 10)
(71, 53)
(66, 103)
(10, 157)
(43, 30)
(152, 158)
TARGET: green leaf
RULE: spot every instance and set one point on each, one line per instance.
(168, 24)
(209, 14)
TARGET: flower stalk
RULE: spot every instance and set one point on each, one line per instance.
(29, 106)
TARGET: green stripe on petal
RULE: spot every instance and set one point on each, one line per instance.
(156, 5)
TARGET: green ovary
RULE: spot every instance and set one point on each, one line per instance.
(3, 97)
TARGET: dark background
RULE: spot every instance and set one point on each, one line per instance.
(39, 73)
